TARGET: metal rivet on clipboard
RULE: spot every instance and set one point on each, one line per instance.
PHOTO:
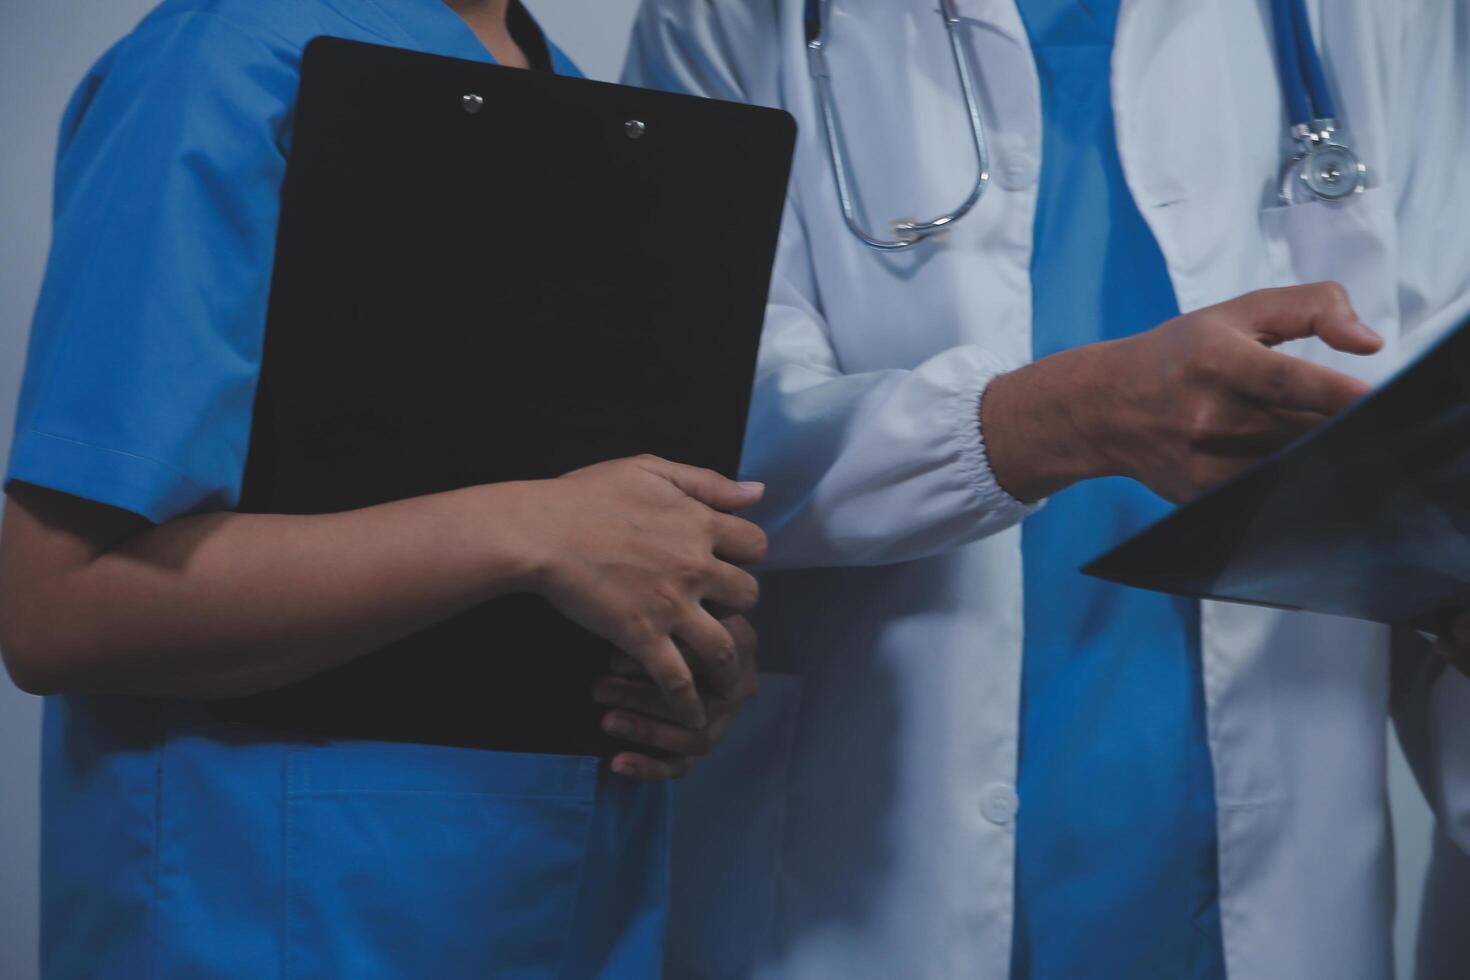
(472, 103)
(634, 129)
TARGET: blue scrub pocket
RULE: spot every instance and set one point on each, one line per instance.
(427, 861)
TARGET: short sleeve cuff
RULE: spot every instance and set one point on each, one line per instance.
(119, 479)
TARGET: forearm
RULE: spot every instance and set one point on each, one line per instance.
(226, 604)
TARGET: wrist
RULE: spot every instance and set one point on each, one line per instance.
(512, 538)
(1091, 429)
(1042, 424)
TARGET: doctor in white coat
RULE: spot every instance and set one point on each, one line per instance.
(871, 817)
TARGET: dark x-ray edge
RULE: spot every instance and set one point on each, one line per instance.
(1367, 516)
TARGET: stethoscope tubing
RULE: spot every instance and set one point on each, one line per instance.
(909, 233)
(1303, 78)
(1325, 168)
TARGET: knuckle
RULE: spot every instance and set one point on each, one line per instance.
(1203, 323)
(698, 522)
(1200, 425)
(752, 585)
(1206, 369)
(760, 544)
(639, 634)
(666, 599)
(741, 628)
(1335, 293)
(1204, 326)
(691, 576)
(740, 593)
(659, 615)
(639, 637)
(1205, 353)
(677, 683)
(723, 651)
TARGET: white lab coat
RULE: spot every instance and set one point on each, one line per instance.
(861, 822)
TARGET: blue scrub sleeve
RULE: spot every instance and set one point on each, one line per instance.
(146, 342)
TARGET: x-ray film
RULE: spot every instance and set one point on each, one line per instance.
(1367, 516)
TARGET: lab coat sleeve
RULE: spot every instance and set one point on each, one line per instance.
(1429, 147)
(863, 468)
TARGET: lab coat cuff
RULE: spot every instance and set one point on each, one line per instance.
(990, 497)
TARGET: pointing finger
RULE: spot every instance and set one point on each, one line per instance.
(1321, 309)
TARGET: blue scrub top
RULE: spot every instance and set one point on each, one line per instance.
(146, 343)
(174, 845)
(1116, 842)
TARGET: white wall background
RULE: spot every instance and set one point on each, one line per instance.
(45, 47)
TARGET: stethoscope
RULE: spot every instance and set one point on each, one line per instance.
(1323, 169)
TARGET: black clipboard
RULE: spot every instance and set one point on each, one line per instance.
(1367, 517)
(488, 274)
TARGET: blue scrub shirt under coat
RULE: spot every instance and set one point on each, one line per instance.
(1115, 846)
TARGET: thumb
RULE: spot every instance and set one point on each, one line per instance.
(712, 489)
(1321, 309)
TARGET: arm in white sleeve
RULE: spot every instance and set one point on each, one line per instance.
(864, 468)
(867, 468)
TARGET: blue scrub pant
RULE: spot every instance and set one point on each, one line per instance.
(175, 846)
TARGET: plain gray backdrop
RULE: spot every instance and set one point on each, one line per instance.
(45, 47)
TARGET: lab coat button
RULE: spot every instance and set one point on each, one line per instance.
(999, 803)
(1018, 171)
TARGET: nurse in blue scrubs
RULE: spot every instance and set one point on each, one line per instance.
(177, 846)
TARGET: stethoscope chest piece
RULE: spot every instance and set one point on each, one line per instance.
(1325, 170)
